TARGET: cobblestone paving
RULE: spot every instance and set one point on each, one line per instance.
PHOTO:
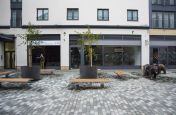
(50, 96)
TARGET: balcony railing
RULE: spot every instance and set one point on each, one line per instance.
(16, 23)
(164, 23)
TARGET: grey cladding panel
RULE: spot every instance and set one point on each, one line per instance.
(50, 37)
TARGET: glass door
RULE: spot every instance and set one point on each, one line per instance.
(163, 55)
(113, 56)
(9, 59)
(158, 55)
(75, 57)
(9, 54)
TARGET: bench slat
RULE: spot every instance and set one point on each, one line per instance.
(15, 80)
(6, 72)
(90, 80)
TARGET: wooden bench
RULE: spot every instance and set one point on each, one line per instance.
(6, 73)
(120, 73)
(77, 81)
(47, 71)
(15, 80)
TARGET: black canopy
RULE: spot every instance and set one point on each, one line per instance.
(6, 37)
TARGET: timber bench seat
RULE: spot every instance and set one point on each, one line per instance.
(120, 73)
(15, 80)
(78, 81)
(6, 73)
(47, 71)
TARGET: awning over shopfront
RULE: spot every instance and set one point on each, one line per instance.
(6, 37)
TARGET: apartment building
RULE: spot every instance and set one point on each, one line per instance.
(163, 32)
(123, 27)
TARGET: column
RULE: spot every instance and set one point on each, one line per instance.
(64, 47)
(20, 53)
(145, 49)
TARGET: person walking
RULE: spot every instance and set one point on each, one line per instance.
(42, 61)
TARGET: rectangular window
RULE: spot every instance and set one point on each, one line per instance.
(157, 2)
(42, 14)
(172, 2)
(166, 20)
(16, 18)
(163, 20)
(72, 14)
(16, 0)
(132, 15)
(103, 14)
(169, 2)
(172, 21)
(157, 20)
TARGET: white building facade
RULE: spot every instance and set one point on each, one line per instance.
(123, 27)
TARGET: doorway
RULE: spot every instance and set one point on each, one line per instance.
(9, 60)
(51, 54)
(75, 57)
(158, 55)
(9, 55)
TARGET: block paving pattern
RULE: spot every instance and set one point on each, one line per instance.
(50, 96)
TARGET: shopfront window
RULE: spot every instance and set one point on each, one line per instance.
(98, 56)
(172, 55)
(113, 56)
(128, 56)
(9, 46)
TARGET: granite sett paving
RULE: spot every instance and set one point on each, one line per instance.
(51, 96)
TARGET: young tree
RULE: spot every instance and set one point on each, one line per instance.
(30, 38)
(87, 40)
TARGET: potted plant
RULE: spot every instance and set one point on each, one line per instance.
(30, 38)
(87, 41)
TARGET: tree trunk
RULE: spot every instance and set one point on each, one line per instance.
(91, 56)
(30, 57)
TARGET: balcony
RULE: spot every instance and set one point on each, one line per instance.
(163, 23)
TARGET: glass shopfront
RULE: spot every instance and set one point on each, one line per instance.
(111, 51)
(108, 56)
(163, 55)
(50, 53)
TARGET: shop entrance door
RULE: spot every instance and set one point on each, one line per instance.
(9, 55)
(158, 55)
(75, 57)
(9, 60)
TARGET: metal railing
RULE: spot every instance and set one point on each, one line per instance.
(164, 23)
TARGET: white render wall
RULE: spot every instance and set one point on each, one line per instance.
(87, 12)
(5, 13)
(21, 53)
(87, 16)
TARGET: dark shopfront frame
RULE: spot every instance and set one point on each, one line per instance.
(167, 56)
(158, 42)
(47, 38)
(82, 60)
